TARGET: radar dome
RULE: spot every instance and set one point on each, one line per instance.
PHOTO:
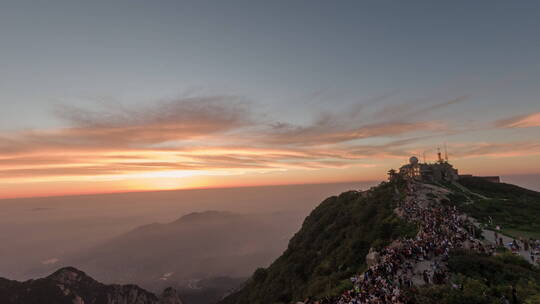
(413, 160)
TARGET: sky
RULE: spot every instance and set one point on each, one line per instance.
(106, 96)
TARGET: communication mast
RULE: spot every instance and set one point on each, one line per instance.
(439, 154)
(445, 153)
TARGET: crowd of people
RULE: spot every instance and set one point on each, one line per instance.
(441, 228)
(530, 246)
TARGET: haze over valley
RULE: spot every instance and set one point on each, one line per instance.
(157, 239)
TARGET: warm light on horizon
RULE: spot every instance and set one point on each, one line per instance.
(218, 141)
(231, 178)
(156, 97)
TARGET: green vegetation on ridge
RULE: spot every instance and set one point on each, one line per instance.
(335, 239)
(515, 209)
(482, 279)
(330, 247)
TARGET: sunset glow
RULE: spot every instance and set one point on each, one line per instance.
(166, 96)
(135, 152)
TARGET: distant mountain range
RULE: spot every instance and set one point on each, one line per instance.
(199, 253)
(207, 256)
(63, 227)
(71, 286)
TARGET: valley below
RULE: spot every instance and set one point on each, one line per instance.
(202, 242)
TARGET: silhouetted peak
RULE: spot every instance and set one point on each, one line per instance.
(211, 214)
(70, 285)
(69, 275)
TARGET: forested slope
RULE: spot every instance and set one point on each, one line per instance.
(329, 248)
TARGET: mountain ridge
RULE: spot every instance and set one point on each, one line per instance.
(301, 273)
(73, 286)
(196, 247)
(324, 253)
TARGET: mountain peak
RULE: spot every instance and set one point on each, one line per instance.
(210, 214)
(71, 285)
(69, 275)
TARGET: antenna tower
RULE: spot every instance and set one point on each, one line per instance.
(439, 154)
(445, 152)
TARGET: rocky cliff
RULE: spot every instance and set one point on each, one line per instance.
(70, 285)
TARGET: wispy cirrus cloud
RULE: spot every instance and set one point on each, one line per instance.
(356, 122)
(497, 149)
(521, 121)
(211, 133)
(211, 118)
(330, 132)
(181, 119)
(416, 109)
(122, 127)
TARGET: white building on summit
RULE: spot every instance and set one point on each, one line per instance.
(441, 171)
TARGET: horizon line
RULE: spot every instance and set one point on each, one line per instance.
(178, 189)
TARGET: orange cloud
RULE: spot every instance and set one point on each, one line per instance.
(522, 121)
(210, 136)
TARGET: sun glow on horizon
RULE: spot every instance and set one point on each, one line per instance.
(215, 147)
